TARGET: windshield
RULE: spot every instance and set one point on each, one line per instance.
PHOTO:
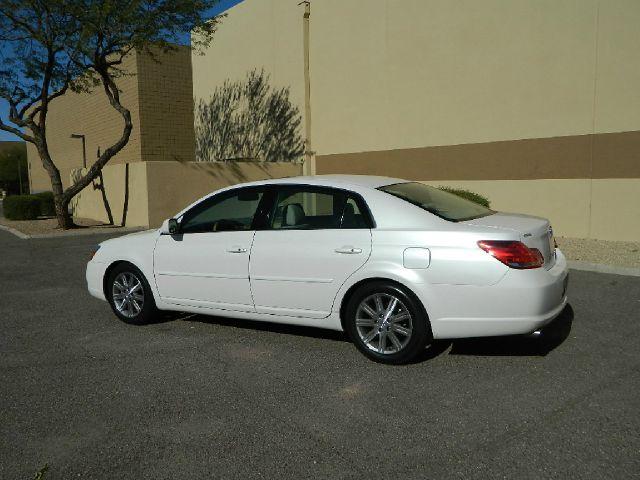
(445, 205)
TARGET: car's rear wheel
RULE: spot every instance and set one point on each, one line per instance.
(387, 323)
(130, 296)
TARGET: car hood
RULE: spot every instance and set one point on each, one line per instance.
(134, 235)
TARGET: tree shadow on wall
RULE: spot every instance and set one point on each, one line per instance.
(248, 120)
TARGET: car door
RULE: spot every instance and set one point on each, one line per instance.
(207, 262)
(315, 238)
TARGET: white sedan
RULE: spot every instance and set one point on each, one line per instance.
(394, 263)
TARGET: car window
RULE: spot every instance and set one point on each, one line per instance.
(443, 204)
(353, 216)
(229, 211)
(309, 208)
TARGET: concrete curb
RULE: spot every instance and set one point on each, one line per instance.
(601, 268)
(14, 232)
(71, 233)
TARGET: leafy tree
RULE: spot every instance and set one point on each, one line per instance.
(53, 46)
(248, 119)
(13, 168)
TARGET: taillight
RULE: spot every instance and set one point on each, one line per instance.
(512, 253)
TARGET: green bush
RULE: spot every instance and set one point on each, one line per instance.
(474, 197)
(21, 207)
(47, 207)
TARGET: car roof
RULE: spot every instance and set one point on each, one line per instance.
(340, 181)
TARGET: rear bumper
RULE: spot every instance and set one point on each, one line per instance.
(94, 276)
(523, 301)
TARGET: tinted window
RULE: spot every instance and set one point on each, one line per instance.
(232, 211)
(443, 204)
(353, 216)
(316, 208)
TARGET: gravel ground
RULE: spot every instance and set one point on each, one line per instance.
(49, 226)
(622, 254)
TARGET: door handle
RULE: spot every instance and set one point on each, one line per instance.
(237, 250)
(348, 250)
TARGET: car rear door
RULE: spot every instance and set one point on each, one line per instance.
(314, 239)
(207, 262)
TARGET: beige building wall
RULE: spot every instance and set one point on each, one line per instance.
(534, 103)
(165, 103)
(391, 74)
(158, 94)
(255, 34)
(150, 192)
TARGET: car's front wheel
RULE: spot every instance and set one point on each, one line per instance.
(387, 323)
(130, 296)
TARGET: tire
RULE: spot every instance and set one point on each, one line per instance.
(137, 307)
(394, 337)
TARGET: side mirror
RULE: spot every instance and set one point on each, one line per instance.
(174, 226)
(170, 227)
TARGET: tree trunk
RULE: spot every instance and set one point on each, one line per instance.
(105, 200)
(65, 221)
(60, 200)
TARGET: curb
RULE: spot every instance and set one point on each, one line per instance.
(602, 268)
(15, 232)
(70, 233)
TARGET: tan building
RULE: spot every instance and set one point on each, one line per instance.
(159, 98)
(533, 103)
(155, 175)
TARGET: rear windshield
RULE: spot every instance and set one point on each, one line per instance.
(445, 205)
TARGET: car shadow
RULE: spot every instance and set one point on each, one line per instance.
(297, 330)
(549, 338)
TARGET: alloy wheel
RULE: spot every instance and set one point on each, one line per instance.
(384, 323)
(128, 294)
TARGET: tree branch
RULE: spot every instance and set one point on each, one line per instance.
(113, 94)
(15, 131)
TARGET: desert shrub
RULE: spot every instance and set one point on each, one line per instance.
(21, 207)
(469, 195)
(47, 207)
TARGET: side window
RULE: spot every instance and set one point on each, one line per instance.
(227, 212)
(353, 217)
(312, 208)
(307, 209)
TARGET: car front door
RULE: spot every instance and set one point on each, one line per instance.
(315, 238)
(207, 262)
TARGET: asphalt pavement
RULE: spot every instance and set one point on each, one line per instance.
(204, 397)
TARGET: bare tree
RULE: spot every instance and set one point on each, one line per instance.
(248, 119)
(52, 46)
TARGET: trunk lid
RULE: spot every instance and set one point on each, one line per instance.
(534, 232)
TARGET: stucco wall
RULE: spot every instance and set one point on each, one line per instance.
(389, 74)
(126, 190)
(158, 190)
(255, 34)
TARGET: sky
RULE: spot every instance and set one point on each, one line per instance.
(219, 8)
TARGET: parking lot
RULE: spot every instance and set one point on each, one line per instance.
(204, 397)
